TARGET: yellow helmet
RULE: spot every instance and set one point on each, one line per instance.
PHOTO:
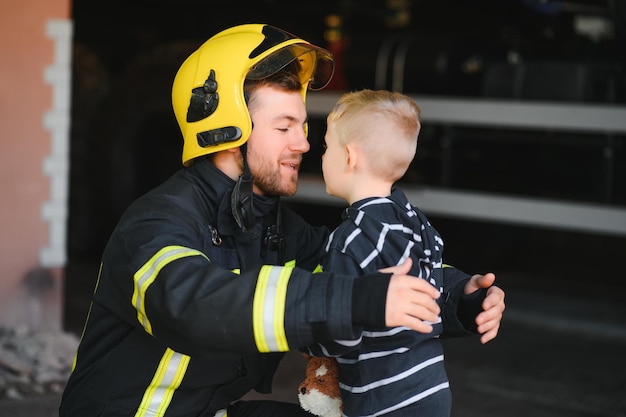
(208, 97)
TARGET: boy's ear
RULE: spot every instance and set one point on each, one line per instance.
(351, 156)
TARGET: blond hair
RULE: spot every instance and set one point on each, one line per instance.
(384, 125)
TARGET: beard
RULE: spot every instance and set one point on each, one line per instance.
(269, 178)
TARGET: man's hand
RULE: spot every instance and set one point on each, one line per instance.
(411, 302)
(488, 321)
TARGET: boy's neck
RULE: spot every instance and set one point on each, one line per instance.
(367, 189)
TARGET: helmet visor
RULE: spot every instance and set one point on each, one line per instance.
(315, 65)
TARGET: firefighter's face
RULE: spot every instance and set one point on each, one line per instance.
(277, 142)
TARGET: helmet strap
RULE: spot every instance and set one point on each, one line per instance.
(273, 237)
(241, 198)
(241, 204)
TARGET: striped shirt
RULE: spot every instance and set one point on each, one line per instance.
(388, 371)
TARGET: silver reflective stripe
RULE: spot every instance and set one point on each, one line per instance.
(268, 311)
(166, 380)
(146, 275)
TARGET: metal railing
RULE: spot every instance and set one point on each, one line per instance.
(558, 214)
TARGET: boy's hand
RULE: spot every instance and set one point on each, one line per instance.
(488, 321)
(411, 302)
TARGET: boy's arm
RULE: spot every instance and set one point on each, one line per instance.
(471, 304)
(488, 320)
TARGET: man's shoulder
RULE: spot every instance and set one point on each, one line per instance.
(179, 197)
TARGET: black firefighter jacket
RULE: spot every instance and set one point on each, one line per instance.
(171, 328)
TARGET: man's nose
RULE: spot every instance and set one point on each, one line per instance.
(300, 142)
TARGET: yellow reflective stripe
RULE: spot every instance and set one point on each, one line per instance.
(75, 357)
(257, 309)
(146, 275)
(292, 264)
(268, 310)
(165, 382)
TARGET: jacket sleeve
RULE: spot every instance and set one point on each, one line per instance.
(154, 275)
(342, 263)
(459, 310)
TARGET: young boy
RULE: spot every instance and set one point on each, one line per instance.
(371, 139)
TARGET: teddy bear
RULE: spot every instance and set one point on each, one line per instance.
(319, 392)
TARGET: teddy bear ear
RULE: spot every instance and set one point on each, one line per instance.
(306, 355)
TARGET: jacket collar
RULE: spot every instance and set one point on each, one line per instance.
(219, 187)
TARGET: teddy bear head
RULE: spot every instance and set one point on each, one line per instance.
(319, 393)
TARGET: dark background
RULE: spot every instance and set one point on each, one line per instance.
(560, 351)
(125, 139)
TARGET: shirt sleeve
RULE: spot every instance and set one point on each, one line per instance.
(454, 318)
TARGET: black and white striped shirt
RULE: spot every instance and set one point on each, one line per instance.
(393, 371)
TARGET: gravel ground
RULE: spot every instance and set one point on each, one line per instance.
(34, 363)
